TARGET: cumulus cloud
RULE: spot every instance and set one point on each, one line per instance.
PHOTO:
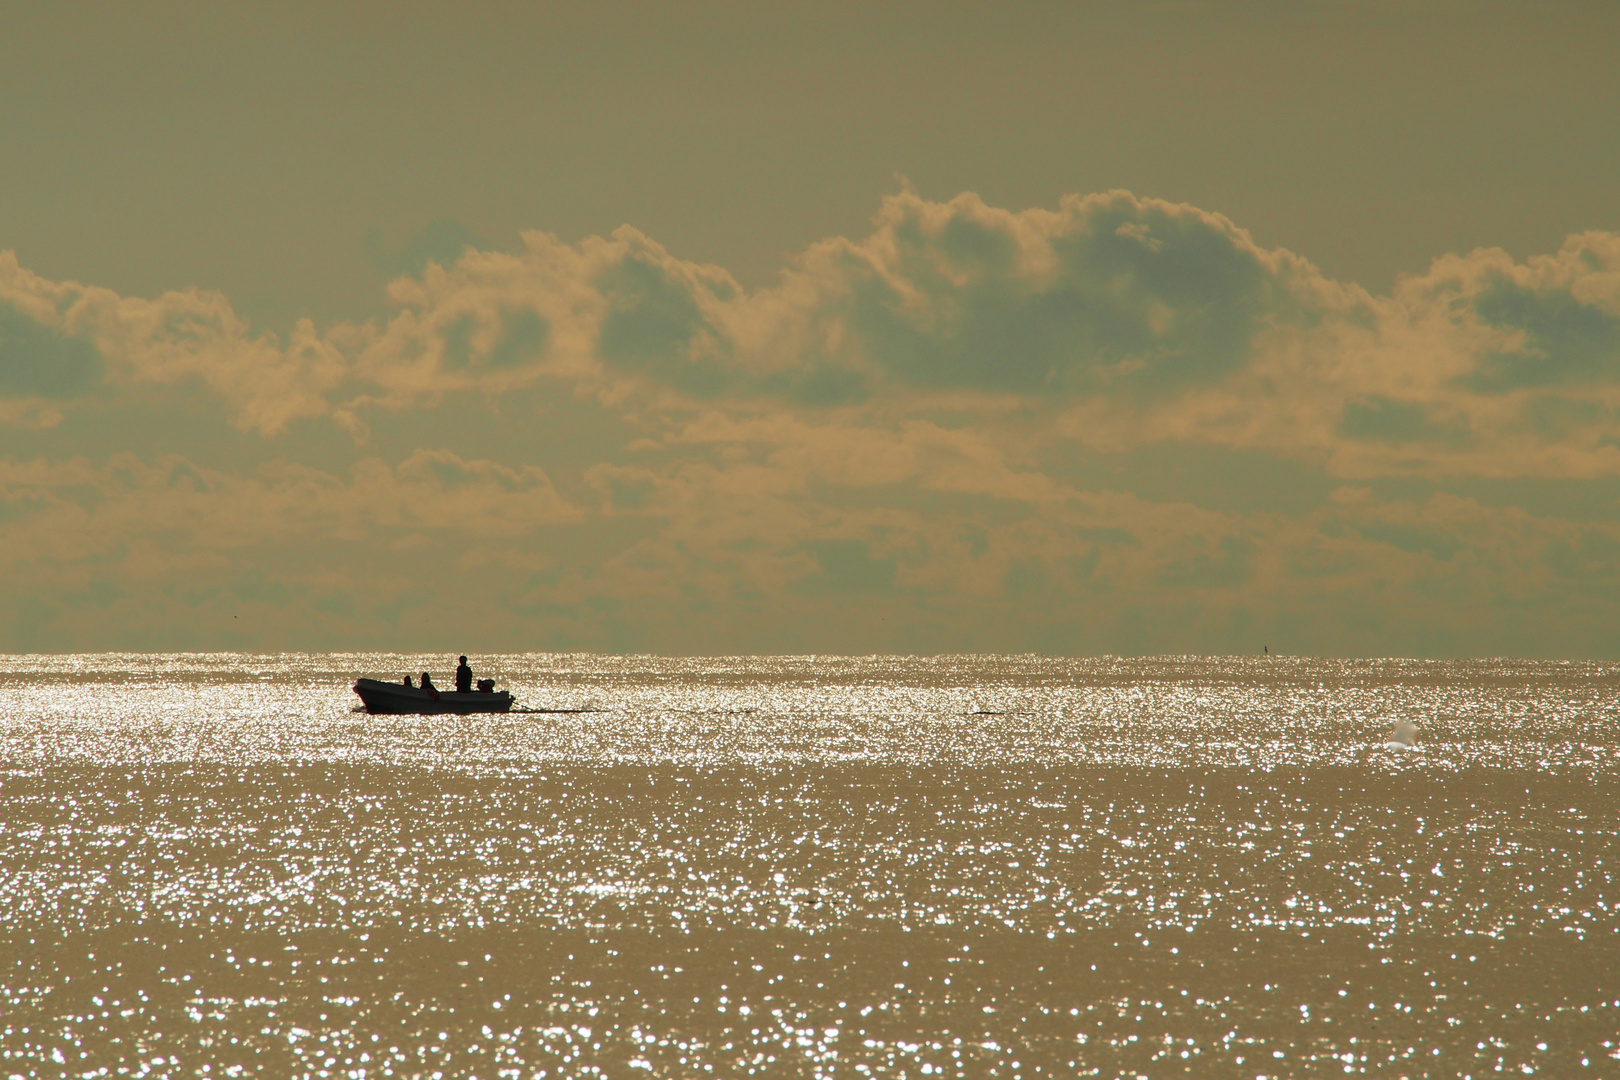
(1135, 319)
(967, 428)
(1110, 295)
(70, 339)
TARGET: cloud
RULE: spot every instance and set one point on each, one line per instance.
(38, 361)
(1382, 419)
(1111, 294)
(1135, 320)
(70, 333)
(441, 241)
(1552, 321)
(1114, 425)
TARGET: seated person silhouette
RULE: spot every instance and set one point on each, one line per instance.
(409, 683)
(427, 684)
(463, 677)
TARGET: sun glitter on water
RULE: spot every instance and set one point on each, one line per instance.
(962, 866)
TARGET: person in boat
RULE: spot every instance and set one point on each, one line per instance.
(463, 677)
(408, 681)
(427, 684)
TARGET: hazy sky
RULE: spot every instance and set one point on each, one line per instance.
(1076, 328)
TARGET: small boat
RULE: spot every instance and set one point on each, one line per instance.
(397, 699)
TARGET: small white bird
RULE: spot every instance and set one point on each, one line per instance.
(1404, 737)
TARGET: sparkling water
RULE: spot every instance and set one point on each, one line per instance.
(211, 865)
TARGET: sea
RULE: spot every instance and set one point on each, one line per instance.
(814, 866)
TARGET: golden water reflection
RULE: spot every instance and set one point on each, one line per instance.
(1009, 867)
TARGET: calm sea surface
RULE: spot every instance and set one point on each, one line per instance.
(817, 866)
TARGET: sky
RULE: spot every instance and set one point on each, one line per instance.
(1107, 328)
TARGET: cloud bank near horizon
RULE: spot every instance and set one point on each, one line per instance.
(1116, 426)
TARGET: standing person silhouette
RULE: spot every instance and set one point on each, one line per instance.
(463, 677)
